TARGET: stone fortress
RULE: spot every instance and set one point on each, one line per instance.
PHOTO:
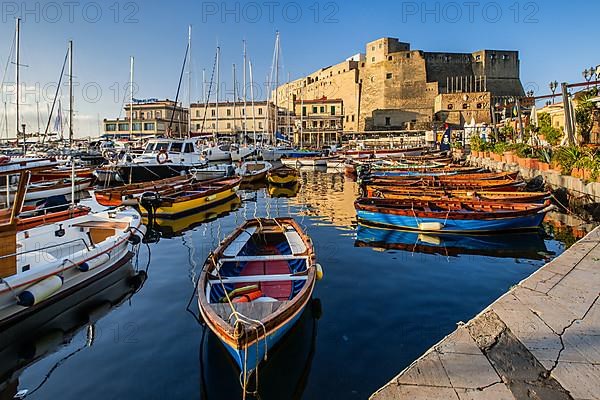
(391, 87)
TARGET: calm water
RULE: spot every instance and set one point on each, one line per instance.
(384, 300)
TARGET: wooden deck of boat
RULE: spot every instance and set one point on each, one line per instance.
(541, 340)
(254, 310)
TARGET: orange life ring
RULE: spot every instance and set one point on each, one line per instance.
(248, 297)
(160, 159)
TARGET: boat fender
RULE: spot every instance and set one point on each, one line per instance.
(40, 291)
(248, 297)
(94, 262)
(431, 226)
(319, 270)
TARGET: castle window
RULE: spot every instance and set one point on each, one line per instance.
(379, 45)
(352, 117)
(390, 58)
(388, 121)
(450, 106)
(228, 112)
(372, 59)
(373, 48)
(407, 55)
(465, 106)
(362, 64)
(212, 113)
(479, 106)
(388, 75)
(505, 57)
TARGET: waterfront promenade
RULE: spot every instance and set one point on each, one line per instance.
(541, 340)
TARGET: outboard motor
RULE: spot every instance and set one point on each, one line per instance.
(150, 201)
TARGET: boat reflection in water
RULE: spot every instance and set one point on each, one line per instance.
(49, 330)
(220, 375)
(169, 228)
(517, 245)
(276, 191)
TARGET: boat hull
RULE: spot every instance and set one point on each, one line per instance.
(144, 173)
(181, 209)
(410, 222)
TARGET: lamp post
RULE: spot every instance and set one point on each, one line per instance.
(553, 87)
(587, 75)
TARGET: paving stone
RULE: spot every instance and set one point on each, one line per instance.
(395, 392)
(581, 380)
(495, 392)
(581, 348)
(542, 281)
(547, 308)
(468, 370)
(427, 371)
(460, 341)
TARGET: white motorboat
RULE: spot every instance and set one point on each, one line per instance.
(221, 152)
(46, 263)
(254, 171)
(240, 153)
(42, 190)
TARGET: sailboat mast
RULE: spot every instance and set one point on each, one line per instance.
(70, 93)
(276, 87)
(234, 101)
(244, 98)
(217, 94)
(252, 101)
(301, 118)
(189, 119)
(17, 63)
(131, 66)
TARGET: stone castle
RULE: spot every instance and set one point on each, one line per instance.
(391, 87)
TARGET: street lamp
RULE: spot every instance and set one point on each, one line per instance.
(553, 87)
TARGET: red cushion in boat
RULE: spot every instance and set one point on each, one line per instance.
(277, 290)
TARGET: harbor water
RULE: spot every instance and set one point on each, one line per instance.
(386, 297)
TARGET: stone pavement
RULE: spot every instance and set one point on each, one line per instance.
(541, 340)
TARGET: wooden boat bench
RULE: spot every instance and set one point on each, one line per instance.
(99, 231)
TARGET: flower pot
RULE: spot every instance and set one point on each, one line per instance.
(543, 166)
(586, 174)
(509, 157)
(496, 157)
(575, 173)
(528, 163)
(486, 154)
(521, 162)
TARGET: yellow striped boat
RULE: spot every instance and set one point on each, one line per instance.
(283, 176)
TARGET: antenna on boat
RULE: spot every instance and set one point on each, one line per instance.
(17, 64)
(131, 66)
(189, 69)
(244, 97)
(252, 102)
(216, 131)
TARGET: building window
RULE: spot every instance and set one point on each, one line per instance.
(388, 121)
(149, 115)
(123, 126)
(134, 115)
(212, 113)
(136, 126)
(479, 106)
(111, 127)
(450, 106)
(478, 57)
(315, 124)
(197, 114)
(260, 125)
(148, 126)
(260, 111)
(228, 112)
(314, 109)
(304, 111)
(346, 118)
(158, 114)
(228, 125)
(390, 58)
(332, 110)
(352, 117)
(197, 127)
(322, 109)
(407, 55)
(373, 48)
(465, 106)
(388, 75)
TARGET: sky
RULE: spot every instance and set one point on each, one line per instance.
(557, 40)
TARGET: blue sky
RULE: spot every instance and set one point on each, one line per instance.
(313, 34)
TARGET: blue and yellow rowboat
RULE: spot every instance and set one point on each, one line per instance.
(451, 216)
(190, 199)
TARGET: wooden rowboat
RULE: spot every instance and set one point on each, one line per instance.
(283, 176)
(254, 171)
(43, 190)
(404, 193)
(451, 216)
(189, 199)
(255, 285)
(424, 185)
(114, 197)
(61, 173)
(510, 176)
